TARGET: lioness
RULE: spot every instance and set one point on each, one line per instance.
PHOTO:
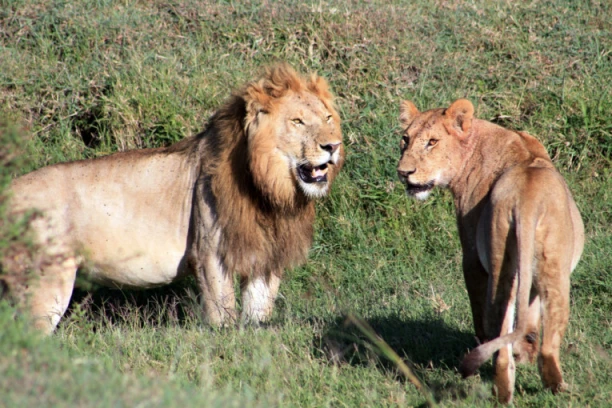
(519, 227)
(237, 198)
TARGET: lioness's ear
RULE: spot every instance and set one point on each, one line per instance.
(460, 115)
(408, 111)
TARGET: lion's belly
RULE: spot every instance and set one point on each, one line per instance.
(126, 249)
(144, 270)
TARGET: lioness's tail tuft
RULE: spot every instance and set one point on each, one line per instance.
(471, 362)
(482, 353)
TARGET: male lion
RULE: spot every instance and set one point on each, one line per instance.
(519, 227)
(237, 198)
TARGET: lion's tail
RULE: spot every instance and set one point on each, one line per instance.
(525, 236)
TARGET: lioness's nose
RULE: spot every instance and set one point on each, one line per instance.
(331, 147)
(405, 173)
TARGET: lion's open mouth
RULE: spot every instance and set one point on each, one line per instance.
(414, 189)
(313, 174)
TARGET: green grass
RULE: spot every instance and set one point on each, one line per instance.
(87, 78)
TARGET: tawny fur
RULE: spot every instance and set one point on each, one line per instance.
(520, 231)
(226, 202)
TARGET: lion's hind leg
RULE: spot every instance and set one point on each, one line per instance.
(50, 268)
(49, 294)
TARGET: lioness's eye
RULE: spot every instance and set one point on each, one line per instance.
(329, 118)
(432, 143)
(297, 121)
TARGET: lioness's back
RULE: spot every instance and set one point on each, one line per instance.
(521, 232)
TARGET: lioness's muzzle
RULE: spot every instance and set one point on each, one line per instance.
(414, 189)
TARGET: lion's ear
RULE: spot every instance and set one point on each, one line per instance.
(408, 111)
(319, 86)
(460, 115)
(257, 101)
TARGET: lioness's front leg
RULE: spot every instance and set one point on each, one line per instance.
(258, 295)
(476, 280)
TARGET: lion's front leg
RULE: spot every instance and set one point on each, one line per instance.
(215, 281)
(217, 287)
(258, 295)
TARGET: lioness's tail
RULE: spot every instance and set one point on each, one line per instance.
(525, 237)
(475, 358)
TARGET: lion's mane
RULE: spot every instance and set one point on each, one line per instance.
(265, 221)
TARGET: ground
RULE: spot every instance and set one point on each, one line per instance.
(84, 79)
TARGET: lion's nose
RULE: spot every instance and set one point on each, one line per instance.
(405, 173)
(331, 147)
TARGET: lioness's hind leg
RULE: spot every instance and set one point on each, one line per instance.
(49, 294)
(258, 295)
(528, 347)
(555, 313)
(501, 303)
(505, 368)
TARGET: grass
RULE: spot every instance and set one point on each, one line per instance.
(84, 79)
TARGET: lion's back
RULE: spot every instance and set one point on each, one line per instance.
(115, 210)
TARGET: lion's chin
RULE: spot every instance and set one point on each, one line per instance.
(313, 180)
(314, 190)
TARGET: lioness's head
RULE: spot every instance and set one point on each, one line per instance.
(433, 145)
(294, 135)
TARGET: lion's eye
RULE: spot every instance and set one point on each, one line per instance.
(432, 142)
(297, 121)
(404, 142)
(329, 118)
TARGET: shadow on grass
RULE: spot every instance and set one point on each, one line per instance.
(425, 345)
(428, 343)
(173, 305)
